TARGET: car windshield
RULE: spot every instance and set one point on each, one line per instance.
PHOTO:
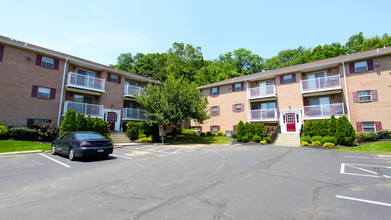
(86, 136)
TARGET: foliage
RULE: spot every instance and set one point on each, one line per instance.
(316, 138)
(307, 128)
(47, 131)
(332, 126)
(316, 143)
(180, 139)
(234, 134)
(267, 139)
(323, 127)
(145, 139)
(220, 133)
(100, 126)
(384, 134)
(304, 143)
(306, 139)
(372, 136)
(69, 122)
(208, 133)
(176, 101)
(109, 138)
(132, 130)
(202, 134)
(361, 137)
(263, 142)
(240, 131)
(245, 139)
(23, 133)
(189, 132)
(328, 144)
(329, 139)
(256, 138)
(3, 129)
(213, 133)
(137, 130)
(345, 132)
(81, 122)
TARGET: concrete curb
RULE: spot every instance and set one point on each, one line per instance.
(21, 152)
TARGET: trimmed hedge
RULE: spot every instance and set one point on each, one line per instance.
(189, 132)
(3, 129)
(257, 138)
(23, 133)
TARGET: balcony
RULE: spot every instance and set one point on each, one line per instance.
(323, 111)
(79, 81)
(261, 92)
(263, 115)
(133, 114)
(132, 91)
(95, 111)
(322, 84)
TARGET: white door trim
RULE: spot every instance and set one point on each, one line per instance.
(118, 122)
(297, 120)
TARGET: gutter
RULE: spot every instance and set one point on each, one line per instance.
(62, 93)
(346, 90)
(247, 99)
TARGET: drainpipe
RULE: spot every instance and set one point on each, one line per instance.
(346, 90)
(247, 99)
(62, 93)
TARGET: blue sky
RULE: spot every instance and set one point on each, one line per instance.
(101, 30)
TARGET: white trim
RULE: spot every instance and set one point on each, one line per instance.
(117, 125)
(62, 93)
(298, 124)
(346, 91)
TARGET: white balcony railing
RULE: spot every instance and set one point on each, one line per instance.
(263, 115)
(323, 111)
(261, 92)
(85, 82)
(131, 91)
(85, 108)
(319, 84)
(134, 114)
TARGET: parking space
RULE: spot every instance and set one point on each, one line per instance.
(174, 149)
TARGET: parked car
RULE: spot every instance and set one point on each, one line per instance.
(82, 144)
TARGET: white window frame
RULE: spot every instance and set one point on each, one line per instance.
(288, 78)
(215, 110)
(238, 107)
(368, 125)
(214, 91)
(215, 128)
(196, 128)
(362, 96)
(88, 73)
(47, 62)
(240, 87)
(43, 92)
(361, 65)
(115, 78)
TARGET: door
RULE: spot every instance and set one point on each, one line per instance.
(317, 80)
(266, 88)
(111, 118)
(290, 122)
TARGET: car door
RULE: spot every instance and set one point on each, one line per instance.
(65, 143)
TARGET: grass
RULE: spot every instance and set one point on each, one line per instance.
(12, 146)
(374, 148)
(180, 139)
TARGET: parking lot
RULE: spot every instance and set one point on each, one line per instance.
(198, 182)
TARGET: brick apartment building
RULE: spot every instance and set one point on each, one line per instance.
(355, 85)
(38, 85)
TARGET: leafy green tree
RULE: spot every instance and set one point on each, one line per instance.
(69, 122)
(174, 102)
(240, 131)
(327, 51)
(324, 126)
(90, 123)
(260, 130)
(3, 129)
(124, 62)
(345, 133)
(307, 128)
(81, 122)
(288, 57)
(332, 126)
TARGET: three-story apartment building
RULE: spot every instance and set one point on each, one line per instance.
(355, 85)
(38, 85)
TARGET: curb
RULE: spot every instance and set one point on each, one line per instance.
(21, 152)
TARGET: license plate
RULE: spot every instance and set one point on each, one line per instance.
(101, 150)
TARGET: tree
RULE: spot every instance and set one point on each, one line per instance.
(324, 127)
(333, 126)
(69, 122)
(345, 133)
(174, 102)
(288, 57)
(240, 131)
(307, 128)
(124, 62)
(81, 122)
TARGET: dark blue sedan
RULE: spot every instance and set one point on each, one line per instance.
(82, 144)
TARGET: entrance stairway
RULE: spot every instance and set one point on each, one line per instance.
(288, 140)
(120, 138)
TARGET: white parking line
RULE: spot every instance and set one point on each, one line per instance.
(115, 155)
(359, 167)
(363, 200)
(177, 151)
(61, 163)
(360, 157)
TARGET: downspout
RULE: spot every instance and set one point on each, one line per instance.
(346, 90)
(247, 99)
(62, 93)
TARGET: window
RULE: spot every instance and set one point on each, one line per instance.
(215, 110)
(360, 66)
(85, 73)
(113, 78)
(288, 79)
(39, 121)
(368, 126)
(215, 128)
(82, 99)
(47, 62)
(1, 52)
(43, 92)
(364, 96)
(268, 105)
(237, 87)
(215, 91)
(238, 107)
(198, 129)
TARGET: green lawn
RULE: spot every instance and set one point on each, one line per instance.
(180, 139)
(12, 146)
(374, 148)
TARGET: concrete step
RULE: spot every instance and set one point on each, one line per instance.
(288, 140)
(120, 137)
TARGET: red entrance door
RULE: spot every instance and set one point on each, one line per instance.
(111, 116)
(290, 122)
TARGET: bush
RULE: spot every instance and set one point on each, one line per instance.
(361, 137)
(213, 133)
(257, 139)
(383, 134)
(234, 135)
(333, 126)
(245, 139)
(23, 133)
(132, 130)
(316, 143)
(304, 143)
(209, 133)
(306, 139)
(81, 122)
(145, 139)
(47, 131)
(372, 136)
(141, 135)
(240, 130)
(109, 138)
(69, 122)
(202, 134)
(307, 128)
(328, 144)
(328, 139)
(316, 138)
(263, 142)
(268, 140)
(345, 132)
(189, 132)
(220, 133)
(3, 129)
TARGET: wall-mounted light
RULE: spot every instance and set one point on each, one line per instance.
(112, 106)
(289, 107)
(28, 58)
(376, 64)
(332, 96)
(256, 83)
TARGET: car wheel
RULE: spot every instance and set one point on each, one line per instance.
(53, 150)
(71, 155)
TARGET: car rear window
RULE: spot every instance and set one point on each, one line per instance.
(88, 136)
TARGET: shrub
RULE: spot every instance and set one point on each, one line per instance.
(304, 143)
(268, 140)
(324, 126)
(145, 139)
(328, 139)
(213, 133)
(240, 130)
(23, 133)
(69, 122)
(132, 130)
(3, 129)
(109, 138)
(209, 133)
(141, 135)
(315, 128)
(328, 144)
(220, 133)
(345, 132)
(263, 142)
(372, 136)
(316, 143)
(260, 130)
(257, 138)
(100, 126)
(332, 126)
(202, 134)
(316, 138)
(361, 137)
(81, 122)
(234, 134)
(245, 139)
(47, 131)
(189, 132)
(383, 134)
(306, 139)
(307, 128)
